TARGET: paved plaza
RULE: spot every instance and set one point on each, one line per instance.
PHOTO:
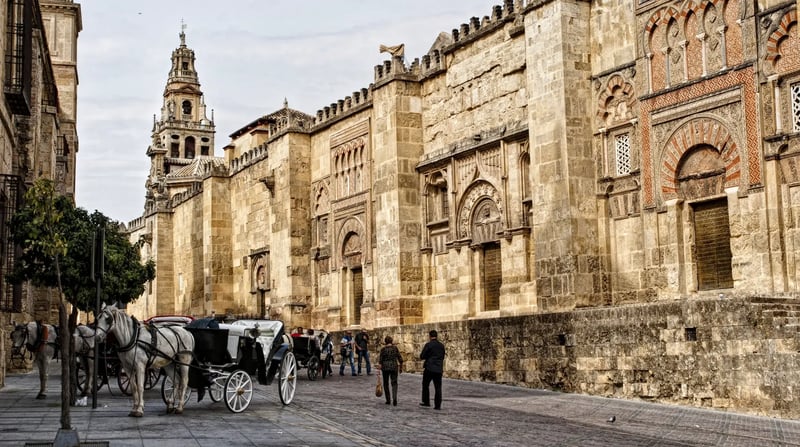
(343, 411)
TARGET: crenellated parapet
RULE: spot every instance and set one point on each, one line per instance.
(135, 224)
(433, 62)
(344, 107)
(249, 158)
(181, 197)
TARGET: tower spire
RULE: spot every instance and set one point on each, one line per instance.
(183, 34)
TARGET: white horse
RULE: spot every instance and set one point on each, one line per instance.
(142, 347)
(84, 338)
(42, 342)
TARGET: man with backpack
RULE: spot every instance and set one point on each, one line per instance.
(362, 349)
(346, 351)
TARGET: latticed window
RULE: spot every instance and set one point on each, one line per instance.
(622, 145)
(796, 107)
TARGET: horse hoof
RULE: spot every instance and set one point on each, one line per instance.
(170, 410)
(178, 411)
(135, 414)
(41, 396)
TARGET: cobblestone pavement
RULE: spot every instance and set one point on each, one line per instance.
(343, 411)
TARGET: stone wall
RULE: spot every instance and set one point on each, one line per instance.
(730, 354)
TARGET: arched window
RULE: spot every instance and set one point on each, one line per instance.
(187, 107)
(189, 147)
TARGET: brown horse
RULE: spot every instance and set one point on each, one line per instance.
(41, 341)
(143, 347)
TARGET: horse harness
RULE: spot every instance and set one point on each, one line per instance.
(40, 343)
(151, 348)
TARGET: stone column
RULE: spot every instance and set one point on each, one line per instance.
(397, 133)
(216, 230)
(564, 223)
(290, 232)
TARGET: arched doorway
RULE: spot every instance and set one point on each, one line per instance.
(701, 182)
(353, 277)
(486, 222)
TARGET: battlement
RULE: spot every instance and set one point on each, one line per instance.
(433, 62)
(343, 106)
(134, 225)
(500, 14)
(249, 157)
(181, 197)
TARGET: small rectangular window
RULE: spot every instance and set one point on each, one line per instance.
(622, 150)
(795, 107)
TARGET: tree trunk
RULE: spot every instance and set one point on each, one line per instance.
(64, 337)
(73, 371)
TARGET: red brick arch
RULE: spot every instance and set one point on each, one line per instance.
(783, 42)
(707, 131)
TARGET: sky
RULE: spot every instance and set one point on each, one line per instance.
(250, 56)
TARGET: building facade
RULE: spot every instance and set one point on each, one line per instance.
(38, 136)
(596, 188)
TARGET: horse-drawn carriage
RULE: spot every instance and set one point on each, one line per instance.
(311, 353)
(226, 358)
(220, 361)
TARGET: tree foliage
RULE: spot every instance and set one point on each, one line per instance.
(74, 229)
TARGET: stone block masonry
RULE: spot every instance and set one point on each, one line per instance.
(735, 354)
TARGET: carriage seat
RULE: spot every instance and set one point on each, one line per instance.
(211, 346)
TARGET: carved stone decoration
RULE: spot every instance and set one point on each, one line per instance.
(491, 162)
(321, 199)
(466, 169)
(616, 102)
(349, 238)
(475, 196)
(259, 272)
(351, 166)
(486, 221)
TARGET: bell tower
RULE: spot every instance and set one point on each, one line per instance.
(183, 132)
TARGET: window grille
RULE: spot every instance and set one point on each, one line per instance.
(622, 144)
(10, 200)
(18, 56)
(795, 107)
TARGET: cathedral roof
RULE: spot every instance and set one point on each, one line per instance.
(281, 118)
(199, 168)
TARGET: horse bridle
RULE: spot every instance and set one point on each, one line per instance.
(19, 351)
(83, 340)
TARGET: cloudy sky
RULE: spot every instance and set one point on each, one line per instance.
(251, 54)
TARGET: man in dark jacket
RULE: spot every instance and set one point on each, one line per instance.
(433, 355)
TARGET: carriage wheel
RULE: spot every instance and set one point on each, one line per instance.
(217, 389)
(313, 367)
(151, 378)
(287, 382)
(238, 391)
(83, 375)
(124, 382)
(168, 387)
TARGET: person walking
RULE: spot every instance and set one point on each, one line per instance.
(390, 363)
(433, 355)
(346, 352)
(362, 350)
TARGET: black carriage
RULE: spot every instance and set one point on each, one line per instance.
(226, 359)
(310, 352)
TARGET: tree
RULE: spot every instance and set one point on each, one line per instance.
(56, 240)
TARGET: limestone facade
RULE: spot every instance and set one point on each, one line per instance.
(38, 137)
(551, 160)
